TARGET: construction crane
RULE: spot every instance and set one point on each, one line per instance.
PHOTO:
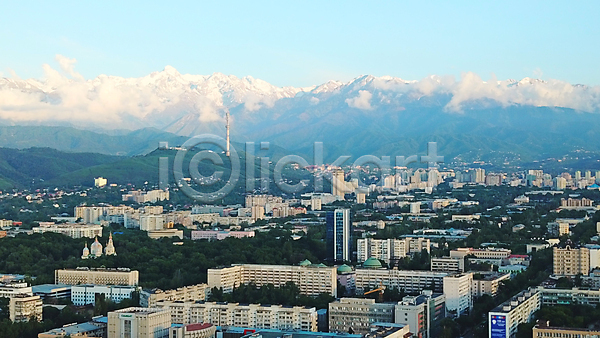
(380, 289)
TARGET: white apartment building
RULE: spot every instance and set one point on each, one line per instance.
(312, 280)
(505, 319)
(139, 322)
(411, 281)
(448, 264)
(190, 293)
(220, 234)
(243, 315)
(70, 229)
(457, 289)
(13, 289)
(86, 294)
(23, 307)
(95, 214)
(151, 196)
(487, 283)
(570, 261)
(421, 313)
(152, 222)
(100, 276)
(389, 249)
(491, 255)
(358, 314)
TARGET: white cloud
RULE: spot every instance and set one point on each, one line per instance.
(362, 101)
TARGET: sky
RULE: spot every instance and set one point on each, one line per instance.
(303, 43)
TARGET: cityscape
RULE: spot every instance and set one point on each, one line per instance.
(141, 200)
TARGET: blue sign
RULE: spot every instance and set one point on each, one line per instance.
(497, 326)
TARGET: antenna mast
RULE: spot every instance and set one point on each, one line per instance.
(227, 127)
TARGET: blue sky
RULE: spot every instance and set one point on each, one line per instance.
(309, 42)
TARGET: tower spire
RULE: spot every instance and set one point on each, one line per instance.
(227, 128)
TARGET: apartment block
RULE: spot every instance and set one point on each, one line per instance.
(487, 283)
(100, 276)
(70, 229)
(22, 308)
(388, 250)
(459, 296)
(505, 318)
(242, 315)
(422, 313)
(358, 314)
(448, 264)
(191, 293)
(311, 279)
(411, 281)
(570, 261)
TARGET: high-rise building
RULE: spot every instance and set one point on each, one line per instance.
(339, 233)
(338, 183)
(506, 317)
(458, 292)
(560, 183)
(389, 250)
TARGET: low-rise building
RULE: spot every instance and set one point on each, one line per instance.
(198, 330)
(85, 294)
(358, 314)
(219, 234)
(69, 229)
(55, 291)
(94, 328)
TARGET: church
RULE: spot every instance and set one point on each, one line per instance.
(95, 249)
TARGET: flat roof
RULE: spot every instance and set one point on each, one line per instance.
(49, 288)
(73, 329)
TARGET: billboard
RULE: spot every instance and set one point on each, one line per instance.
(497, 326)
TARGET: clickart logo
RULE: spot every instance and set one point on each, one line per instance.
(214, 149)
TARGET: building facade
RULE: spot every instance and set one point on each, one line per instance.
(339, 235)
(422, 313)
(458, 292)
(312, 280)
(358, 314)
(100, 276)
(139, 322)
(505, 319)
(388, 250)
(86, 294)
(570, 261)
(191, 293)
(242, 315)
(410, 281)
(22, 308)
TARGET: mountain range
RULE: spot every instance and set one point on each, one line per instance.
(471, 119)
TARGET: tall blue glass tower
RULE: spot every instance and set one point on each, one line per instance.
(339, 232)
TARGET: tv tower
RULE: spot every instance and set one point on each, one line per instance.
(227, 128)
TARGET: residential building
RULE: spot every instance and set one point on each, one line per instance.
(358, 314)
(505, 318)
(571, 261)
(100, 276)
(422, 313)
(70, 229)
(339, 232)
(389, 250)
(15, 288)
(151, 196)
(411, 281)
(242, 315)
(85, 294)
(190, 293)
(487, 283)
(156, 234)
(448, 264)
(22, 308)
(311, 279)
(459, 296)
(219, 234)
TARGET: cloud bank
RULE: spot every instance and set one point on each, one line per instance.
(64, 95)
